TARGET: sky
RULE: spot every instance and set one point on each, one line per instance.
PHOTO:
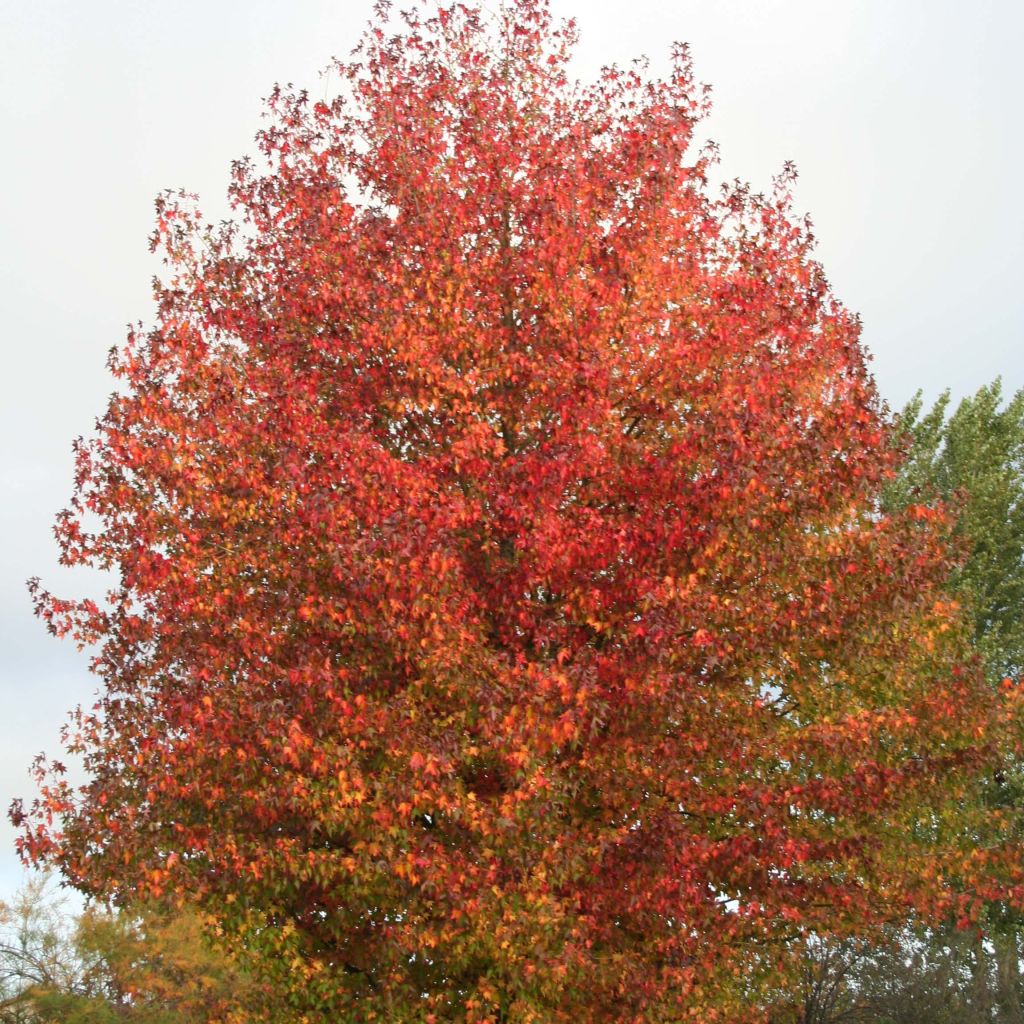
(902, 116)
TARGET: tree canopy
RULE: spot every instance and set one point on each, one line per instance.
(974, 459)
(508, 627)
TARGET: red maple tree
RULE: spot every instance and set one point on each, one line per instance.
(507, 626)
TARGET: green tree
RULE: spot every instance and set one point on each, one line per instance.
(37, 952)
(974, 459)
(144, 966)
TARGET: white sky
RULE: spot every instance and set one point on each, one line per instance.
(903, 117)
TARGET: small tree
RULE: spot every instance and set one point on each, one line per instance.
(99, 967)
(37, 952)
(507, 627)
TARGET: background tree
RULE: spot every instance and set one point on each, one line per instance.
(972, 460)
(506, 628)
(37, 952)
(938, 976)
(100, 967)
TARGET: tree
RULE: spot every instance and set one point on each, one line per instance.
(975, 459)
(143, 966)
(36, 952)
(972, 460)
(941, 977)
(507, 626)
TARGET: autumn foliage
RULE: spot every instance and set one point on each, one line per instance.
(507, 625)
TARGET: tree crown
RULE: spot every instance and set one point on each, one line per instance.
(507, 626)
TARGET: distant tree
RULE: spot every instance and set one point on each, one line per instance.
(102, 967)
(506, 628)
(906, 976)
(37, 952)
(973, 460)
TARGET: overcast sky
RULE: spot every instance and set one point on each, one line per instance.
(903, 117)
